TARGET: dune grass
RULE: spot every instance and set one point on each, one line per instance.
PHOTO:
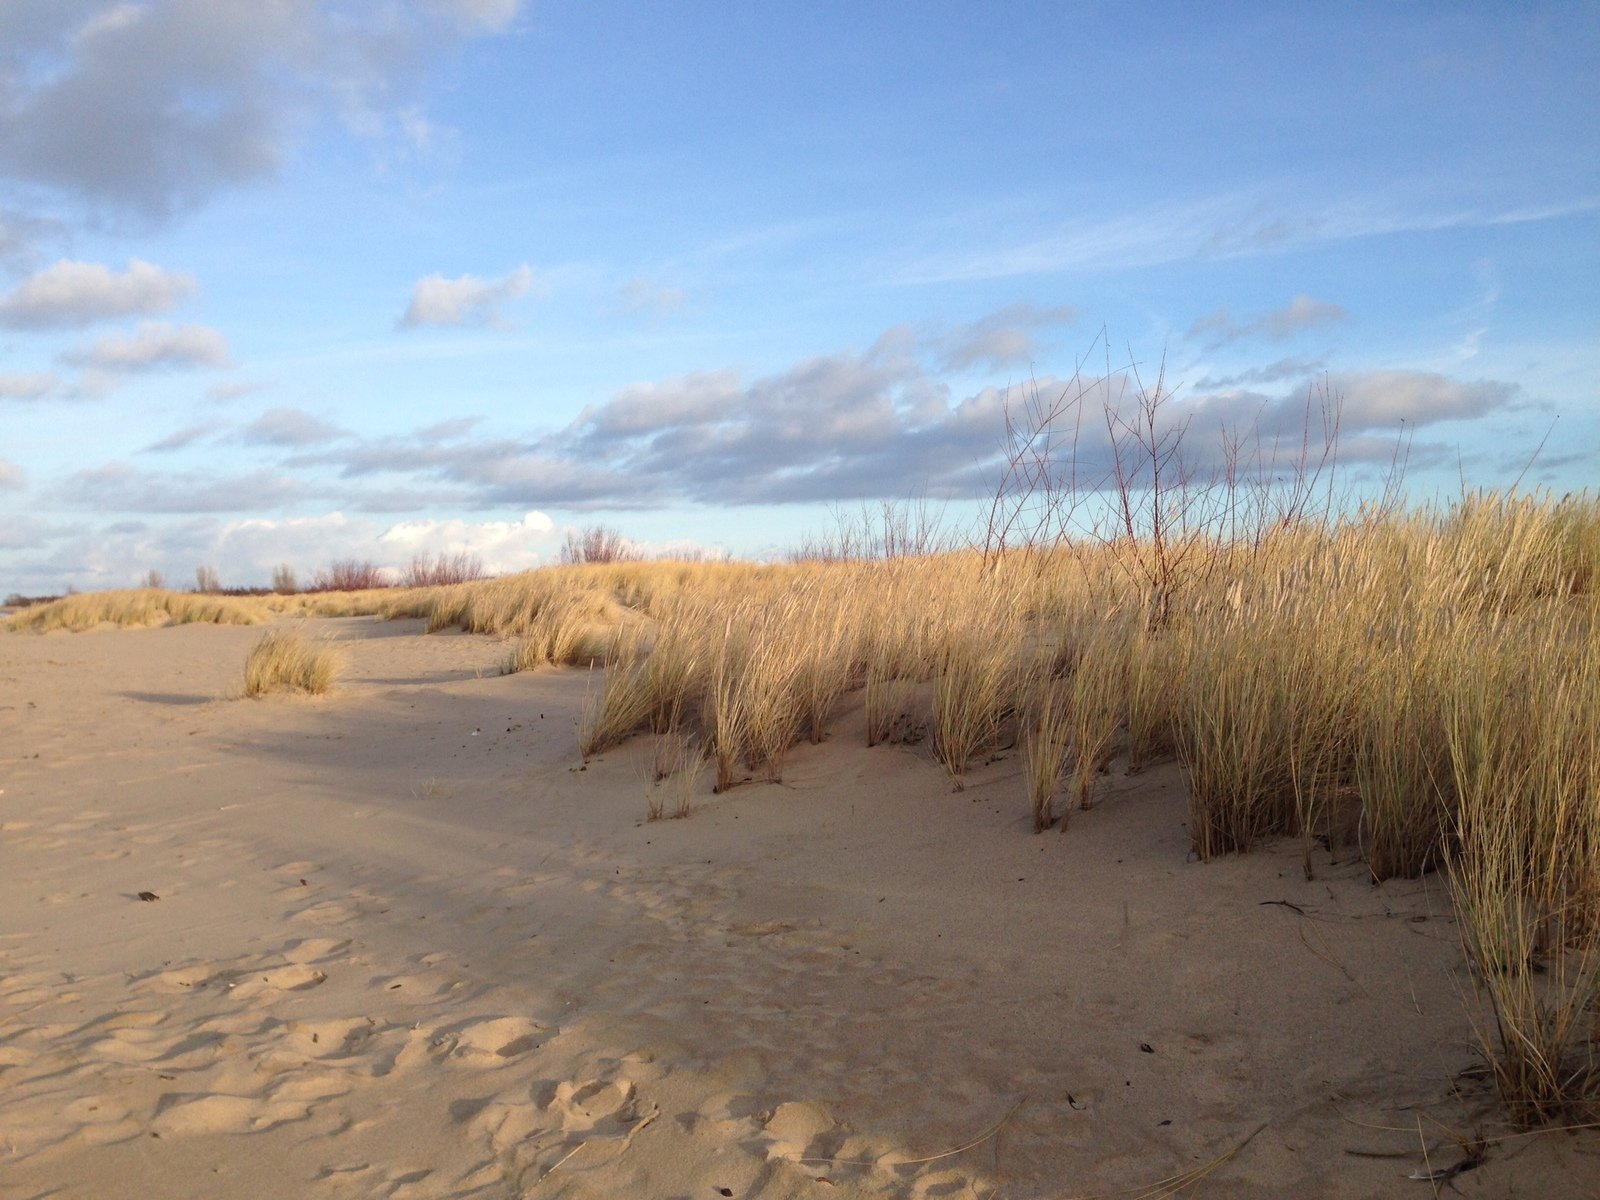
(284, 660)
(1421, 686)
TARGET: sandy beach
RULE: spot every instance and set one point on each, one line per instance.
(400, 941)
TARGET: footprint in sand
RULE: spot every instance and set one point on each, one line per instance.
(328, 912)
(186, 978)
(411, 989)
(296, 977)
(329, 1039)
(309, 950)
(505, 1125)
(188, 1115)
(101, 1120)
(794, 1128)
(604, 1107)
(131, 1046)
(491, 1043)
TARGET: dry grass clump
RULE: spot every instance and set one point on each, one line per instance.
(1523, 734)
(283, 660)
(139, 607)
(1044, 744)
(570, 629)
(678, 762)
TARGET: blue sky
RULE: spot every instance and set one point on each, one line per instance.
(295, 281)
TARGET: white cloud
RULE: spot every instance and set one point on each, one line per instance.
(11, 476)
(156, 345)
(81, 293)
(503, 546)
(464, 300)
(26, 385)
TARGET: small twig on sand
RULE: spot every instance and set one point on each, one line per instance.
(915, 1162)
(622, 1142)
(1162, 1189)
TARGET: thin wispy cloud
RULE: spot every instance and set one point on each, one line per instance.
(11, 476)
(643, 298)
(480, 16)
(121, 487)
(223, 392)
(465, 299)
(1008, 338)
(1218, 227)
(292, 427)
(1300, 314)
(1273, 372)
(182, 439)
(74, 294)
(27, 385)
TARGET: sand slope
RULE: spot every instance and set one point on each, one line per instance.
(404, 947)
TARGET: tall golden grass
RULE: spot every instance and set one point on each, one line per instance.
(1423, 685)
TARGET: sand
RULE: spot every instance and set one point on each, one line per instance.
(404, 944)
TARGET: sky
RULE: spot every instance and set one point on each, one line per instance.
(294, 281)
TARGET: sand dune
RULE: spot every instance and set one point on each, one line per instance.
(403, 944)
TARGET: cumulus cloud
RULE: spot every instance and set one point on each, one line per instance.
(27, 385)
(152, 107)
(464, 300)
(1005, 338)
(503, 546)
(74, 294)
(289, 427)
(11, 476)
(155, 345)
(1300, 314)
